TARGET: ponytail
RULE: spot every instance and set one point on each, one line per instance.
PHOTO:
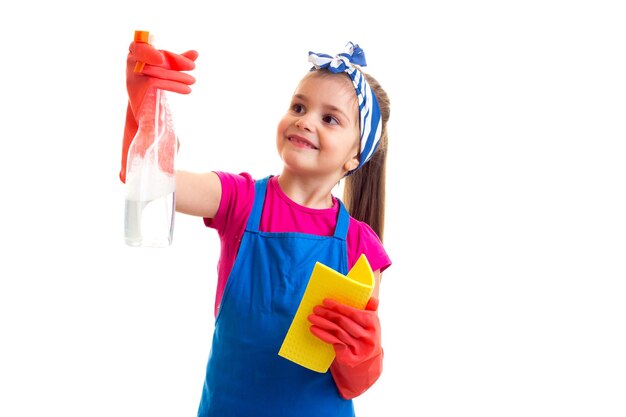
(364, 189)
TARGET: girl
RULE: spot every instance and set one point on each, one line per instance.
(273, 230)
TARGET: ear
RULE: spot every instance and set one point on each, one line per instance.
(351, 163)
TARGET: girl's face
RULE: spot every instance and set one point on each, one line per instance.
(319, 134)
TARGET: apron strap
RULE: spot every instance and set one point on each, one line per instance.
(343, 221)
(254, 220)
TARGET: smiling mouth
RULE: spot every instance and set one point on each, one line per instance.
(301, 142)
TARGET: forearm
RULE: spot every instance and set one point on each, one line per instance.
(198, 194)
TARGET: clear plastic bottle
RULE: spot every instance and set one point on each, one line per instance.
(150, 174)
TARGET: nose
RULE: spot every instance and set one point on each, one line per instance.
(303, 123)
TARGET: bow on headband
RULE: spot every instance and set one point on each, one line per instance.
(369, 111)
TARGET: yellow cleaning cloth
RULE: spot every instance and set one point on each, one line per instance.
(355, 289)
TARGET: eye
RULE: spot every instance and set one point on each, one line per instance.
(331, 120)
(297, 108)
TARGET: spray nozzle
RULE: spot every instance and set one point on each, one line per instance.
(142, 36)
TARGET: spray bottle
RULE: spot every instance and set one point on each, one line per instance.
(150, 173)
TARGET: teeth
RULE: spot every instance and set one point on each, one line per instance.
(303, 142)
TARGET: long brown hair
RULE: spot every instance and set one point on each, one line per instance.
(364, 189)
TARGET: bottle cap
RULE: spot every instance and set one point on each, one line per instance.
(142, 36)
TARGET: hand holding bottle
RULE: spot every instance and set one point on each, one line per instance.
(162, 70)
(150, 142)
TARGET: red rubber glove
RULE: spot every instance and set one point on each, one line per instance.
(355, 335)
(162, 70)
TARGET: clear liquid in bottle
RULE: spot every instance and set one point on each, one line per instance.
(150, 176)
(150, 223)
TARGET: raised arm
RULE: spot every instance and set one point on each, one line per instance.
(198, 194)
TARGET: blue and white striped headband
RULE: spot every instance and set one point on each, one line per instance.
(369, 111)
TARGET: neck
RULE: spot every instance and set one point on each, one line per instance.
(308, 192)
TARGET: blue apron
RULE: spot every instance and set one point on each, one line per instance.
(245, 377)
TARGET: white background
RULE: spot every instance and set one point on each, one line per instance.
(506, 200)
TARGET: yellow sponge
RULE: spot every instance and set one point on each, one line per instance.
(355, 289)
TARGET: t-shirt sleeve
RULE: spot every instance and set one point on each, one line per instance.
(235, 204)
(363, 240)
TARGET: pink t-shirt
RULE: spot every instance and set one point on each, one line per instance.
(281, 214)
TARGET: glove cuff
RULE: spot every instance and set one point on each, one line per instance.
(353, 381)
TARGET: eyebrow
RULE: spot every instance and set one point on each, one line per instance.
(330, 107)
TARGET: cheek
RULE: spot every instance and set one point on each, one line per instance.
(282, 126)
(350, 147)
(357, 143)
(280, 131)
